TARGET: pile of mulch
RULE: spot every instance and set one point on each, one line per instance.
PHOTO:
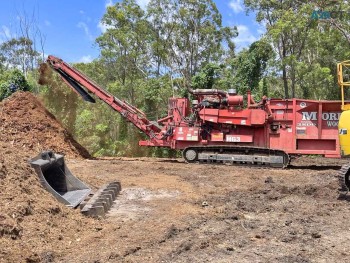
(25, 124)
(34, 227)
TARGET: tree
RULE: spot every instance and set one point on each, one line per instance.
(288, 24)
(12, 81)
(125, 50)
(335, 14)
(124, 44)
(265, 89)
(307, 47)
(18, 53)
(250, 66)
(207, 77)
(192, 34)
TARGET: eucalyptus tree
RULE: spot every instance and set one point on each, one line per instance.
(188, 35)
(125, 43)
(288, 24)
(18, 53)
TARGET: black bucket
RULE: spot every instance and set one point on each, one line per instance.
(56, 178)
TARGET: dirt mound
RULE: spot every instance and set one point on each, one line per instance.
(27, 126)
(33, 225)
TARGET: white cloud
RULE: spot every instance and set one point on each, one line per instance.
(5, 33)
(260, 27)
(103, 27)
(261, 30)
(108, 3)
(86, 30)
(245, 37)
(86, 59)
(142, 3)
(237, 6)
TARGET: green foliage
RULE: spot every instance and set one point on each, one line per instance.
(189, 37)
(250, 66)
(207, 77)
(306, 49)
(12, 81)
(155, 93)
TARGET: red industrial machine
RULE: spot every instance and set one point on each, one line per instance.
(218, 126)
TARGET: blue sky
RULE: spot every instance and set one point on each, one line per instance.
(71, 26)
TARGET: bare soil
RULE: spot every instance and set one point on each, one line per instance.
(168, 211)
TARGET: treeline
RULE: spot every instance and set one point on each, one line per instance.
(150, 55)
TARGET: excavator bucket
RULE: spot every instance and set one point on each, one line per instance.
(56, 178)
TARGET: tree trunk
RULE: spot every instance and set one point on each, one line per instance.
(293, 83)
(285, 82)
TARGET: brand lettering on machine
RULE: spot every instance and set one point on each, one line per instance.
(326, 116)
(308, 118)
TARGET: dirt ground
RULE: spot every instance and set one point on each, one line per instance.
(168, 211)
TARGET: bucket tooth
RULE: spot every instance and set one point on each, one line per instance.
(95, 211)
(101, 202)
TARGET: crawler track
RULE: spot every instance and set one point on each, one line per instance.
(344, 178)
(250, 156)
